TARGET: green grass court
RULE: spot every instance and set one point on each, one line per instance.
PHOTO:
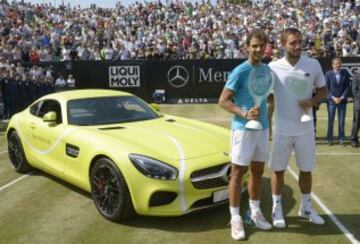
(42, 209)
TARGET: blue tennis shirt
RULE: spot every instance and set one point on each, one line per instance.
(238, 83)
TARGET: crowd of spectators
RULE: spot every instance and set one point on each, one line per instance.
(172, 30)
(20, 85)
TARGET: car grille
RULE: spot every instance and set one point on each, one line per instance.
(212, 177)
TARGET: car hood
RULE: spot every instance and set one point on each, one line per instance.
(169, 138)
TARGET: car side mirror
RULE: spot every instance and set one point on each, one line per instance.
(155, 106)
(50, 117)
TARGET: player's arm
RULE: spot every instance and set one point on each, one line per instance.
(322, 92)
(328, 86)
(226, 102)
(270, 101)
(320, 96)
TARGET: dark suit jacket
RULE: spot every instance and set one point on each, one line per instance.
(356, 91)
(338, 90)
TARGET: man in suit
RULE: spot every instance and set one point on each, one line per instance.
(338, 85)
(356, 117)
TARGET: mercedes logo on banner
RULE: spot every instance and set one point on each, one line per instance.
(178, 76)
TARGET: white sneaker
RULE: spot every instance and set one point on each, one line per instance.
(237, 228)
(278, 218)
(311, 215)
(260, 221)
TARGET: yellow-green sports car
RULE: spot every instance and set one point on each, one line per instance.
(129, 156)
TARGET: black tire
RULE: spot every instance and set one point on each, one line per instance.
(16, 154)
(110, 192)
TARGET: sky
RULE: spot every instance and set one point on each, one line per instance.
(87, 3)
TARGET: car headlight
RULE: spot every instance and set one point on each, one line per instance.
(153, 168)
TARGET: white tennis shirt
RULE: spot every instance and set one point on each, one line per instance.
(287, 110)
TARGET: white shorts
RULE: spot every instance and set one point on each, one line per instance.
(282, 147)
(249, 145)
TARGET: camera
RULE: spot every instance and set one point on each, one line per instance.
(159, 96)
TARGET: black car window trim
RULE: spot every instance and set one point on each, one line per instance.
(38, 106)
(50, 100)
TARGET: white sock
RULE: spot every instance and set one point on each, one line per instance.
(235, 212)
(276, 200)
(254, 206)
(305, 201)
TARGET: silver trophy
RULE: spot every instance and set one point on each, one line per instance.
(260, 84)
(301, 88)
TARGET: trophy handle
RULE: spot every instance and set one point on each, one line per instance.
(257, 101)
(255, 124)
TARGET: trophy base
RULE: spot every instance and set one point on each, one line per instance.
(306, 118)
(254, 125)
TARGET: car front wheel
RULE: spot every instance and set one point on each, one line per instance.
(16, 154)
(109, 191)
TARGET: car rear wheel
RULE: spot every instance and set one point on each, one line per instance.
(109, 191)
(16, 154)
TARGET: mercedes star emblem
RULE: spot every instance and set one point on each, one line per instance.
(178, 76)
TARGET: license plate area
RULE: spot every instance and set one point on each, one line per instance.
(219, 196)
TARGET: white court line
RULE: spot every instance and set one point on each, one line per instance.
(326, 118)
(230, 118)
(332, 154)
(329, 213)
(13, 182)
(336, 154)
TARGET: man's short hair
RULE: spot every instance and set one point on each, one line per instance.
(257, 33)
(336, 59)
(289, 31)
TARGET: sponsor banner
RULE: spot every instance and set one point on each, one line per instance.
(199, 80)
(352, 68)
(211, 75)
(192, 100)
(178, 76)
(96, 74)
(192, 81)
(124, 76)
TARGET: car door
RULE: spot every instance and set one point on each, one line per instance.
(46, 138)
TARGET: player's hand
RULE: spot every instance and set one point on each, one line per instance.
(253, 113)
(305, 104)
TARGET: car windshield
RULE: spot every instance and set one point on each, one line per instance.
(108, 110)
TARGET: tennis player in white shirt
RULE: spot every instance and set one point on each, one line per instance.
(290, 133)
